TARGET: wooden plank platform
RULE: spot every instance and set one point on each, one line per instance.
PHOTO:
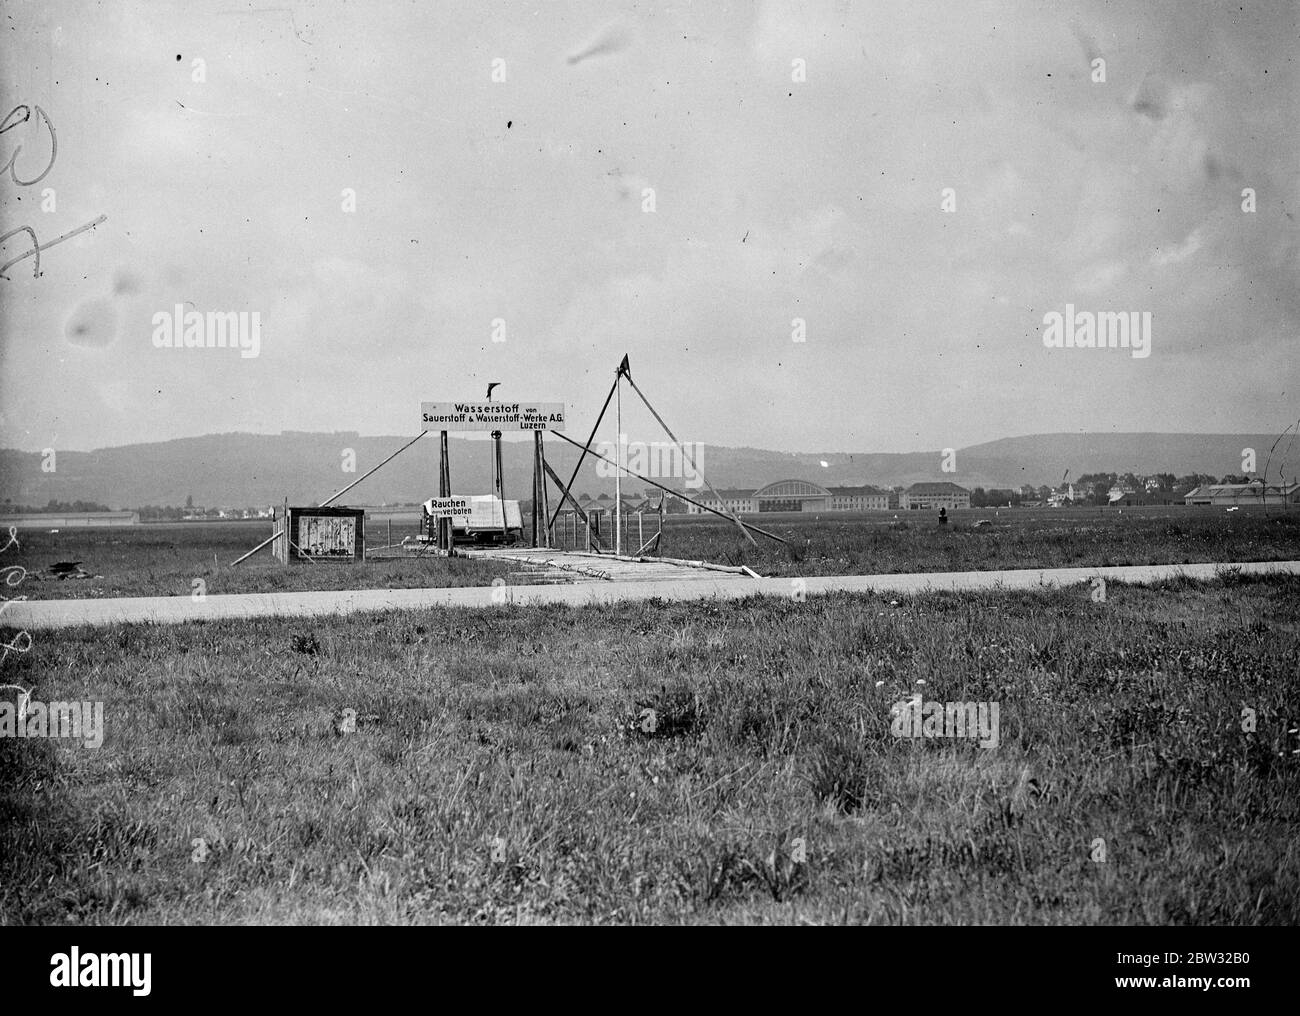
(584, 566)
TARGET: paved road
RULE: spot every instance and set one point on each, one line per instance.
(38, 614)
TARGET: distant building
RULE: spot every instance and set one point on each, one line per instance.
(1129, 497)
(942, 494)
(70, 520)
(781, 496)
(858, 499)
(736, 501)
(795, 496)
(1243, 494)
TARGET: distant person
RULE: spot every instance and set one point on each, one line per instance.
(943, 516)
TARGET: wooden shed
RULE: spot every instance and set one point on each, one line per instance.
(320, 534)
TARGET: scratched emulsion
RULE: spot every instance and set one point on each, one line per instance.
(93, 323)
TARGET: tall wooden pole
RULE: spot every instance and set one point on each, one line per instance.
(536, 499)
(501, 484)
(444, 490)
(546, 498)
(541, 509)
(618, 472)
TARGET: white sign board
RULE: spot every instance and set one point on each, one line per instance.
(492, 415)
(446, 507)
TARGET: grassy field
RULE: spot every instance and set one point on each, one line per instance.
(166, 560)
(880, 543)
(504, 768)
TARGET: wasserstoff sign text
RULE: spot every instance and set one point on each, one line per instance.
(492, 415)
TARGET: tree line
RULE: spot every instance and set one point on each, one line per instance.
(1095, 488)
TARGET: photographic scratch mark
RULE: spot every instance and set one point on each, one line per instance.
(10, 123)
(38, 247)
(204, 112)
(293, 22)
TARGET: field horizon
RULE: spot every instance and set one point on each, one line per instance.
(167, 559)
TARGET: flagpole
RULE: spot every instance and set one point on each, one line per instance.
(618, 473)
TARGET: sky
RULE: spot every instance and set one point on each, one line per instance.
(682, 183)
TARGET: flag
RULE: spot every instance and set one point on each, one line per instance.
(625, 367)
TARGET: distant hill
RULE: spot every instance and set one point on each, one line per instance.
(242, 470)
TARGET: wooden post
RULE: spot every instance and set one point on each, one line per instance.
(501, 485)
(546, 498)
(537, 471)
(444, 490)
(618, 472)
